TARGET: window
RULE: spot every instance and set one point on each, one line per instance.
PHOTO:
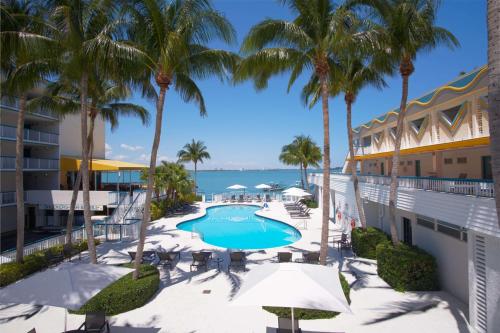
(367, 141)
(451, 230)
(409, 163)
(462, 160)
(448, 161)
(425, 222)
(402, 163)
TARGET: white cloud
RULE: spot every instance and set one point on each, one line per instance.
(120, 157)
(107, 147)
(131, 148)
(145, 158)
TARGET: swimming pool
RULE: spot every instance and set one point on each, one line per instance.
(237, 227)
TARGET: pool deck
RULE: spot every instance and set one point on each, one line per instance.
(200, 301)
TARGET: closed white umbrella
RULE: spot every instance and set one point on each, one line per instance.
(293, 285)
(236, 187)
(263, 187)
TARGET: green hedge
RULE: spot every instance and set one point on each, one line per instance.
(310, 203)
(407, 268)
(304, 314)
(125, 294)
(12, 271)
(364, 242)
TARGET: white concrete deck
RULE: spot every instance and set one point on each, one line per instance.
(181, 306)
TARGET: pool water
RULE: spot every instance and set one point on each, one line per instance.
(237, 227)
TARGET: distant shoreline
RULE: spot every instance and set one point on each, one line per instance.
(277, 169)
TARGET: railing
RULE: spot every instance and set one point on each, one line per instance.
(118, 231)
(120, 211)
(30, 163)
(14, 106)
(43, 244)
(477, 187)
(7, 198)
(114, 198)
(136, 209)
(30, 135)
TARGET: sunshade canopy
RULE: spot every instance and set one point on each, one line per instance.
(296, 192)
(73, 164)
(67, 286)
(263, 187)
(293, 285)
(236, 187)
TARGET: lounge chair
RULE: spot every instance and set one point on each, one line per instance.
(148, 256)
(168, 258)
(33, 330)
(69, 251)
(233, 198)
(285, 325)
(284, 256)
(53, 258)
(309, 258)
(236, 259)
(268, 198)
(258, 198)
(95, 322)
(240, 198)
(343, 243)
(200, 259)
(132, 255)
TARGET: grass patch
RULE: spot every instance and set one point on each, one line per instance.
(305, 314)
(125, 294)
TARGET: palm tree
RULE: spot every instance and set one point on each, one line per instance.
(173, 37)
(194, 152)
(26, 61)
(309, 154)
(277, 46)
(494, 94)
(290, 156)
(409, 29)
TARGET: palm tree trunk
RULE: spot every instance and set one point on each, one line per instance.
(326, 171)
(301, 175)
(494, 94)
(354, 175)
(76, 186)
(195, 172)
(151, 173)
(406, 68)
(19, 179)
(305, 177)
(84, 168)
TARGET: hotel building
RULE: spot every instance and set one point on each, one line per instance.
(445, 198)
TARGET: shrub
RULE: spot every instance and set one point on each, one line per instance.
(125, 294)
(364, 242)
(310, 203)
(406, 267)
(158, 209)
(304, 314)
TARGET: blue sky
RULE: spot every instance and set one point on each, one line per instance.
(246, 129)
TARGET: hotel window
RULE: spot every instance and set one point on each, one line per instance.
(462, 160)
(425, 222)
(409, 163)
(402, 163)
(451, 230)
(367, 141)
(448, 161)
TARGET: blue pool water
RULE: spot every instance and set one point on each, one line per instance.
(237, 227)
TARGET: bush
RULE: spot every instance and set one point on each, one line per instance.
(304, 314)
(125, 294)
(364, 242)
(407, 268)
(158, 209)
(12, 271)
(310, 203)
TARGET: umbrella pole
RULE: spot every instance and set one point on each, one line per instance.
(293, 322)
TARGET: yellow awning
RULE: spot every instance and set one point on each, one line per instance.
(73, 164)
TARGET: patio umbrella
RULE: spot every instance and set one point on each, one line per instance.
(263, 187)
(293, 285)
(236, 187)
(296, 192)
(67, 286)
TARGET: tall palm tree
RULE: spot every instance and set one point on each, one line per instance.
(195, 152)
(309, 154)
(410, 29)
(290, 155)
(173, 37)
(494, 93)
(305, 43)
(26, 60)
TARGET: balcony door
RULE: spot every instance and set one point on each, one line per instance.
(407, 232)
(418, 171)
(487, 172)
(382, 169)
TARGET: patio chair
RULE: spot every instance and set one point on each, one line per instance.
(285, 325)
(233, 198)
(95, 322)
(309, 258)
(240, 198)
(33, 330)
(148, 256)
(258, 198)
(132, 255)
(69, 251)
(268, 198)
(53, 258)
(236, 259)
(168, 258)
(343, 243)
(200, 259)
(284, 256)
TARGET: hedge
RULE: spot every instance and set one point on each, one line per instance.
(12, 271)
(126, 293)
(407, 268)
(304, 314)
(364, 242)
(310, 203)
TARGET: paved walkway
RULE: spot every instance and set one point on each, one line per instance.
(200, 301)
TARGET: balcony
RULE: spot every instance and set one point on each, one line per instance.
(7, 198)
(8, 163)
(30, 136)
(14, 106)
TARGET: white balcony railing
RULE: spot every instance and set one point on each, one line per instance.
(9, 132)
(14, 106)
(7, 198)
(30, 163)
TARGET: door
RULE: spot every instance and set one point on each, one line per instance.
(417, 168)
(487, 172)
(382, 169)
(407, 234)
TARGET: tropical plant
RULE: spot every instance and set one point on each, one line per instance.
(494, 94)
(26, 60)
(290, 156)
(170, 179)
(172, 37)
(306, 43)
(409, 27)
(194, 152)
(309, 154)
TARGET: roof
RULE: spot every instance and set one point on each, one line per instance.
(73, 164)
(459, 84)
